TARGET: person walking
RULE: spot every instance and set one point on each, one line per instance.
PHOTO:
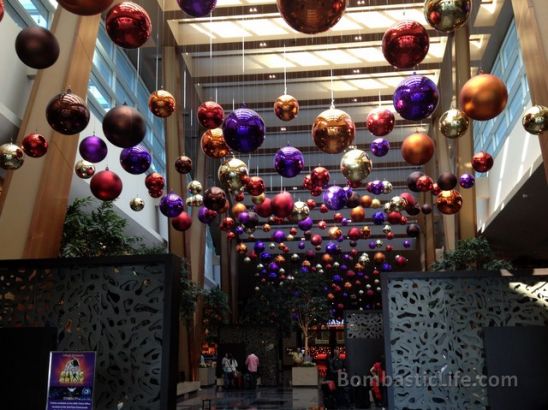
(377, 383)
(252, 364)
(228, 371)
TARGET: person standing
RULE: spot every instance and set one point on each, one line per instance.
(252, 363)
(228, 372)
(377, 383)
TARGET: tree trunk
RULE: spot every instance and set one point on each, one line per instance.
(305, 337)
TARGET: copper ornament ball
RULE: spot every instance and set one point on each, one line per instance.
(85, 7)
(454, 123)
(333, 131)
(286, 107)
(35, 145)
(37, 47)
(84, 169)
(183, 164)
(213, 143)
(405, 44)
(447, 15)
(161, 103)
(417, 149)
(67, 113)
(128, 25)
(311, 16)
(535, 119)
(11, 156)
(124, 126)
(483, 97)
(106, 185)
(449, 202)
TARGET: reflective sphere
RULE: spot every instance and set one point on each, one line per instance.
(1, 9)
(380, 147)
(155, 182)
(195, 201)
(37, 47)
(195, 187)
(85, 7)
(244, 130)
(286, 107)
(161, 103)
(467, 181)
(425, 183)
(171, 205)
(214, 198)
(289, 162)
(182, 222)
(333, 131)
(535, 119)
(320, 177)
(93, 149)
(124, 126)
(35, 145)
(417, 149)
(67, 113)
(357, 214)
(255, 186)
(233, 175)
(84, 169)
(264, 209)
(405, 44)
(282, 205)
(447, 15)
(183, 164)
(213, 144)
(11, 156)
(449, 202)
(106, 185)
(135, 160)
(137, 204)
(335, 198)
(454, 123)
(206, 216)
(483, 97)
(412, 180)
(128, 25)
(355, 165)
(197, 8)
(482, 161)
(311, 16)
(380, 122)
(210, 115)
(416, 98)
(300, 211)
(447, 181)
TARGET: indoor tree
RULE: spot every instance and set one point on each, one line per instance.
(215, 311)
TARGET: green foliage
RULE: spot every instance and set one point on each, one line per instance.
(268, 306)
(215, 312)
(189, 293)
(471, 254)
(307, 303)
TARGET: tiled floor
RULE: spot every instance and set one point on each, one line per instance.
(263, 398)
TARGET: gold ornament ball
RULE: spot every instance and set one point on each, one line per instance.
(483, 97)
(161, 103)
(195, 201)
(300, 211)
(334, 232)
(355, 165)
(449, 202)
(535, 119)
(267, 228)
(259, 199)
(195, 187)
(238, 208)
(376, 203)
(333, 131)
(84, 169)
(286, 107)
(137, 204)
(232, 174)
(241, 248)
(447, 15)
(11, 156)
(454, 123)
(213, 144)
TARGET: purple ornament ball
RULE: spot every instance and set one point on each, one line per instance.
(278, 236)
(289, 162)
(197, 8)
(93, 149)
(171, 205)
(416, 98)
(206, 216)
(407, 244)
(301, 245)
(259, 247)
(135, 160)
(266, 257)
(335, 198)
(379, 218)
(467, 181)
(380, 147)
(244, 130)
(306, 224)
(372, 245)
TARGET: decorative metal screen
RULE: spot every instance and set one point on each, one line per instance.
(363, 325)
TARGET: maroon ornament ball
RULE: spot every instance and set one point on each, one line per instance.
(380, 122)
(215, 199)
(183, 165)
(37, 47)
(264, 209)
(282, 204)
(128, 25)
(255, 186)
(311, 16)
(182, 222)
(106, 185)
(35, 145)
(447, 181)
(67, 113)
(482, 161)
(85, 7)
(405, 44)
(211, 115)
(124, 126)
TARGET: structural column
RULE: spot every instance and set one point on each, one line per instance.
(34, 200)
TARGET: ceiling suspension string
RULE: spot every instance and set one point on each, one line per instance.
(285, 72)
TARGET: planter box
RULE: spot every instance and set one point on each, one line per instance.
(207, 376)
(304, 376)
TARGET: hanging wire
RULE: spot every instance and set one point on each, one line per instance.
(285, 72)
(332, 92)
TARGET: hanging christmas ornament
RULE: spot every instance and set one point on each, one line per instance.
(311, 16)
(417, 149)
(93, 149)
(412, 180)
(182, 222)
(233, 175)
(405, 44)
(67, 113)
(255, 186)
(282, 205)
(320, 177)
(447, 15)
(137, 204)
(213, 144)
(264, 209)
(155, 182)
(333, 131)
(85, 7)
(286, 107)
(161, 103)
(454, 123)
(483, 97)
(206, 216)
(183, 164)
(425, 183)
(124, 126)
(416, 97)
(210, 115)
(214, 198)
(335, 198)
(106, 185)
(355, 165)
(11, 156)
(197, 8)
(535, 119)
(482, 161)
(37, 47)
(128, 25)
(380, 147)
(171, 205)
(135, 160)
(1, 9)
(449, 202)
(357, 214)
(156, 193)
(447, 181)
(289, 162)
(244, 130)
(35, 145)
(194, 187)
(467, 181)
(84, 169)
(195, 201)
(380, 122)
(300, 211)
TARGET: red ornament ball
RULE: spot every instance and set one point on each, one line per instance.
(405, 44)
(210, 115)
(282, 204)
(85, 7)
(264, 209)
(106, 185)
(380, 122)
(319, 177)
(1, 9)
(316, 240)
(255, 186)
(311, 204)
(425, 183)
(482, 162)
(155, 182)
(182, 222)
(35, 145)
(128, 25)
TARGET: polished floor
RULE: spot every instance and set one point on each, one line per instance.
(260, 399)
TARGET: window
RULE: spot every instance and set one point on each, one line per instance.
(31, 12)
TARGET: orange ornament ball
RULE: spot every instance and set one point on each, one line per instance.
(286, 107)
(417, 149)
(379, 258)
(333, 131)
(366, 201)
(238, 208)
(449, 202)
(483, 97)
(161, 103)
(357, 214)
(213, 144)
